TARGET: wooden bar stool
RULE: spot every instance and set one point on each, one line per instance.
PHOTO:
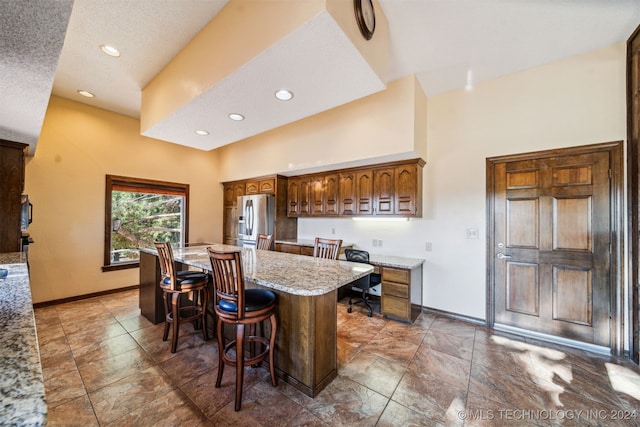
(174, 284)
(240, 307)
(265, 242)
(327, 248)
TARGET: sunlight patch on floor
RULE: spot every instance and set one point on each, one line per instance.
(624, 380)
(542, 365)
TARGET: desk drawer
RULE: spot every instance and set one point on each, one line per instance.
(395, 275)
(395, 289)
(395, 307)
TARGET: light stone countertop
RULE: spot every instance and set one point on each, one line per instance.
(377, 259)
(294, 274)
(22, 399)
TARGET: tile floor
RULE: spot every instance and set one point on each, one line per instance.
(106, 365)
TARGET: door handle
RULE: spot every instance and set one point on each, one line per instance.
(500, 255)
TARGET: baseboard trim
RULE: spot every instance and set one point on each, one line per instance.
(455, 316)
(553, 339)
(85, 296)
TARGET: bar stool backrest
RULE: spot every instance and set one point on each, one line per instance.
(327, 248)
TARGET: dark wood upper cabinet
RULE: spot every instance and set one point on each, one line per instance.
(347, 199)
(298, 196)
(408, 183)
(364, 192)
(331, 184)
(12, 168)
(316, 196)
(385, 189)
(261, 186)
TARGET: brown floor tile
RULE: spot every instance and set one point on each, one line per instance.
(76, 412)
(374, 372)
(346, 403)
(432, 397)
(448, 368)
(397, 415)
(100, 356)
(61, 387)
(101, 373)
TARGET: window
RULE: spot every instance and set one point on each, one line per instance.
(139, 212)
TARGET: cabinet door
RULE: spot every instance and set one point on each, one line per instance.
(384, 191)
(268, 186)
(331, 194)
(347, 194)
(406, 183)
(316, 196)
(303, 196)
(252, 187)
(230, 223)
(364, 192)
(12, 185)
(232, 190)
(293, 197)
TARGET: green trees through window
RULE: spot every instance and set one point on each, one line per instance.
(139, 213)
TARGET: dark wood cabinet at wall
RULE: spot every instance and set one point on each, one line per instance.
(12, 169)
(284, 227)
(231, 192)
(298, 196)
(385, 189)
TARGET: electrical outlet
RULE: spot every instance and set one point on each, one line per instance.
(472, 233)
(427, 246)
(333, 230)
(379, 243)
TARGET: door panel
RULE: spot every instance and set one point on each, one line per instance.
(572, 295)
(523, 288)
(552, 233)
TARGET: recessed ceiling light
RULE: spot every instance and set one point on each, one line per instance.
(86, 94)
(235, 116)
(110, 50)
(201, 132)
(284, 94)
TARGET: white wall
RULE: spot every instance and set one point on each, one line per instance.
(574, 102)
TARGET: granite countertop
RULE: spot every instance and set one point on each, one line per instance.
(22, 400)
(377, 259)
(294, 274)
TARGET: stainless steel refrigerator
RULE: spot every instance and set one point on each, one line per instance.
(256, 215)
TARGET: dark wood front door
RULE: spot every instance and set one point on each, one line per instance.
(551, 247)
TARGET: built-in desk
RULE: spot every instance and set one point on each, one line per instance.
(306, 292)
(401, 290)
(22, 400)
(401, 293)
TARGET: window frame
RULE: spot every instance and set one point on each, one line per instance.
(137, 184)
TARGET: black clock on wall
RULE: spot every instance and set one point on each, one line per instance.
(365, 17)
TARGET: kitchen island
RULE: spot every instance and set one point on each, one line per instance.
(306, 292)
(22, 400)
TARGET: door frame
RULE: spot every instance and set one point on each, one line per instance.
(616, 182)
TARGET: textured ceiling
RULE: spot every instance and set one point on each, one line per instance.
(440, 41)
(32, 36)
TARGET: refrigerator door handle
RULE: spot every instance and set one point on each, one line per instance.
(250, 217)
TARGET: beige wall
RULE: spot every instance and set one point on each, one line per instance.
(65, 181)
(378, 126)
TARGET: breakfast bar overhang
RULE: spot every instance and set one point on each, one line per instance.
(306, 291)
